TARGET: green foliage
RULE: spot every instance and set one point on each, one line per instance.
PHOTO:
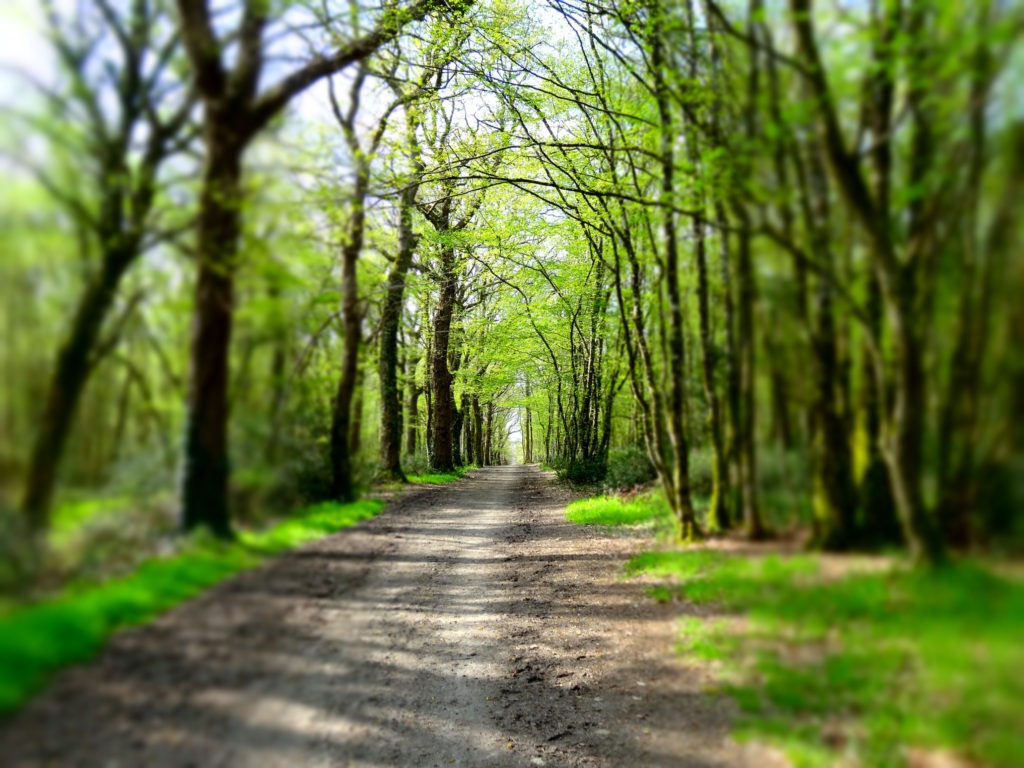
(864, 664)
(17, 552)
(37, 640)
(1000, 500)
(628, 467)
(701, 471)
(304, 476)
(785, 487)
(585, 472)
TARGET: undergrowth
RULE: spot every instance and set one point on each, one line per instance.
(37, 640)
(857, 668)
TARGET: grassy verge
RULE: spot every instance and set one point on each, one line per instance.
(862, 668)
(614, 510)
(37, 640)
(439, 478)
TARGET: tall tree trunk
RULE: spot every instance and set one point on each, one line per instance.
(204, 491)
(441, 378)
(746, 439)
(902, 448)
(718, 511)
(458, 416)
(278, 393)
(547, 431)
(428, 399)
(391, 317)
(478, 433)
(121, 422)
(957, 470)
(879, 523)
(65, 389)
(355, 438)
(489, 435)
(342, 485)
(679, 489)
(730, 425)
(467, 427)
(412, 415)
(835, 497)
(528, 437)
(781, 424)
(390, 461)
(746, 298)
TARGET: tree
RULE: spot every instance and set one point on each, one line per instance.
(235, 112)
(116, 70)
(902, 257)
(437, 58)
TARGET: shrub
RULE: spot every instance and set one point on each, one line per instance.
(587, 472)
(785, 486)
(17, 550)
(628, 467)
(416, 464)
(580, 472)
(701, 471)
(1000, 498)
(306, 474)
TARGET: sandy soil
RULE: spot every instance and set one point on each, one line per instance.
(468, 625)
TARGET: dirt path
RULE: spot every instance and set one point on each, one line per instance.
(468, 625)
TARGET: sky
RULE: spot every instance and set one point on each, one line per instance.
(23, 49)
(21, 45)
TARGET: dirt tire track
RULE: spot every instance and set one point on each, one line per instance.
(468, 625)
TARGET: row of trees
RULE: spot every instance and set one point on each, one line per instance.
(557, 230)
(861, 202)
(139, 86)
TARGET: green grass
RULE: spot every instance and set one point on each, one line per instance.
(39, 639)
(73, 514)
(71, 517)
(612, 510)
(439, 478)
(865, 664)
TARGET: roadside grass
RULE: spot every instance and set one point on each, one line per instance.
(38, 639)
(647, 508)
(857, 668)
(439, 478)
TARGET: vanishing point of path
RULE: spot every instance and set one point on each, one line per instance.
(468, 625)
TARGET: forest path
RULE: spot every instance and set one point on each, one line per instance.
(468, 625)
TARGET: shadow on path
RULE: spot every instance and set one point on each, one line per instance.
(468, 625)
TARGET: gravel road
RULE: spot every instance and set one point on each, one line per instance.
(468, 625)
